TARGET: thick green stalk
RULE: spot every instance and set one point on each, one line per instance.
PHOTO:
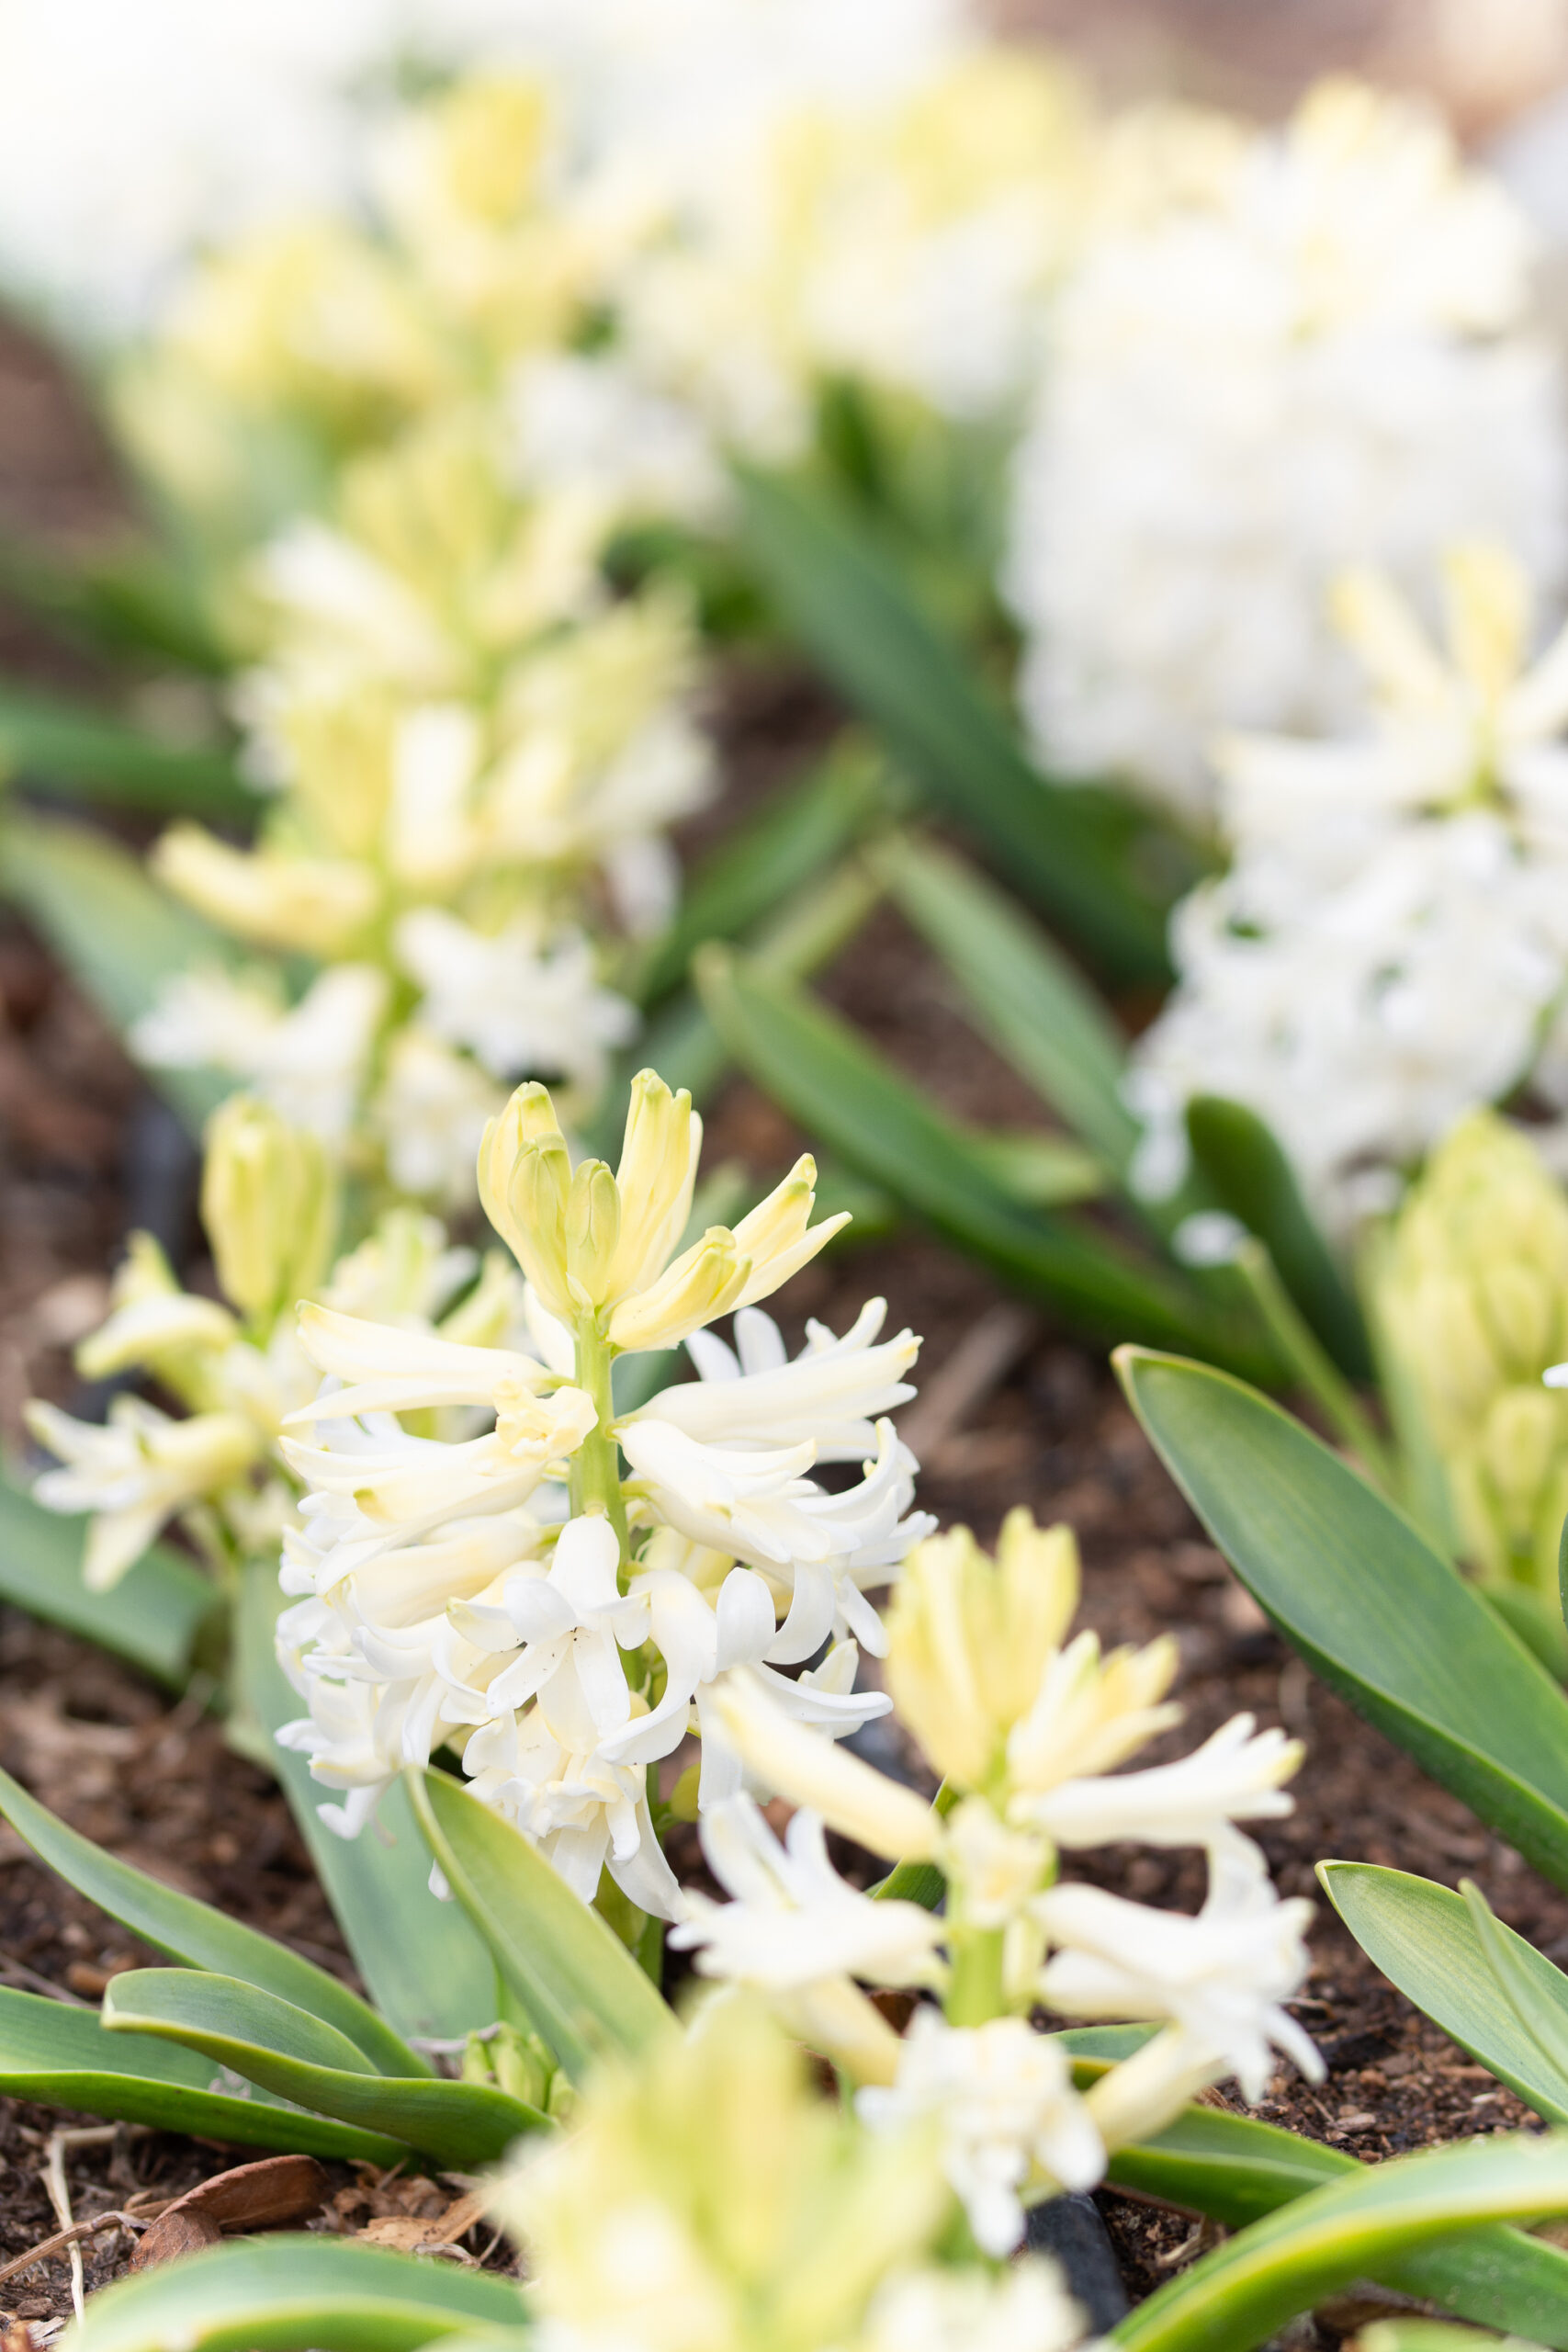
(596, 1464)
(974, 1989)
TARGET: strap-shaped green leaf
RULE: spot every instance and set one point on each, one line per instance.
(201, 1937)
(572, 1973)
(1249, 1175)
(291, 2292)
(1233, 2299)
(823, 1074)
(297, 2056)
(64, 2057)
(427, 1968)
(1479, 1981)
(848, 606)
(1234, 2169)
(116, 934)
(1374, 1611)
(49, 743)
(1026, 997)
(797, 833)
(151, 1617)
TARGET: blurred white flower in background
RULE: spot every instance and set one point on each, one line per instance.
(1390, 946)
(1285, 351)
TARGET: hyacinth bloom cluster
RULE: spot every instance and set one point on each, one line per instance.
(1388, 946)
(562, 1596)
(1027, 1726)
(713, 2200)
(1282, 352)
(270, 1206)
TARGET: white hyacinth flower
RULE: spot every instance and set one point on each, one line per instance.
(1388, 947)
(1235, 1776)
(521, 1004)
(1318, 353)
(559, 1615)
(1221, 1976)
(134, 1473)
(792, 1921)
(1010, 2116)
(308, 1061)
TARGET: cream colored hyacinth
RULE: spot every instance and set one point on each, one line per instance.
(270, 1208)
(472, 749)
(559, 1597)
(1027, 1728)
(1389, 946)
(1283, 350)
(711, 2200)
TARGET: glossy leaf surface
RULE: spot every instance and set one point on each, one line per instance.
(296, 2056)
(427, 1969)
(1425, 1939)
(63, 2056)
(151, 1616)
(1233, 2299)
(292, 2292)
(1370, 1606)
(575, 1979)
(816, 1068)
(195, 1934)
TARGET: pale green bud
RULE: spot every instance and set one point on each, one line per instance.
(592, 1230)
(524, 1177)
(269, 1202)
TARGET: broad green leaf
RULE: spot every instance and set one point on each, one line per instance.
(800, 828)
(1347, 1580)
(48, 743)
(64, 2057)
(153, 1617)
(1026, 997)
(1421, 2335)
(1234, 2297)
(426, 1967)
(1235, 2169)
(849, 609)
(575, 1978)
(1250, 1176)
(297, 2056)
(116, 931)
(199, 1936)
(1040, 1170)
(293, 2292)
(1427, 1941)
(825, 1076)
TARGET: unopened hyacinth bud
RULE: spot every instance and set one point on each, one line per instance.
(970, 1637)
(1471, 1295)
(269, 1202)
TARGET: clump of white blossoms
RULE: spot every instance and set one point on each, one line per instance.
(1026, 1727)
(1285, 351)
(270, 1206)
(1390, 944)
(559, 1599)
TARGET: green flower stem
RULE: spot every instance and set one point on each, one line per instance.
(975, 1988)
(596, 1464)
